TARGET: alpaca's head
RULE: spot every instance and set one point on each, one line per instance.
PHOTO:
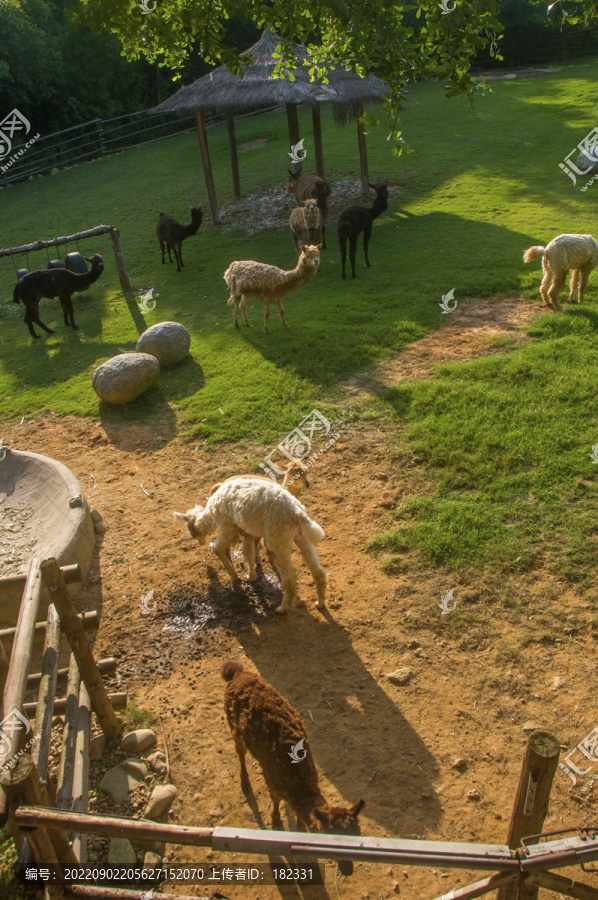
(381, 189)
(338, 820)
(295, 478)
(97, 263)
(196, 215)
(310, 254)
(198, 527)
(311, 204)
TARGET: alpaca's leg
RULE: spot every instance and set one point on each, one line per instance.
(583, 282)
(310, 557)
(241, 751)
(180, 252)
(546, 282)
(352, 253)
(555, 289)
(574, 285)
(28, 320)
(367, 233)
(221, 547)
(168, 248)
(232, 302)
(35, 318)
(243, 308)
(288, 578)
(343, 245)
(162, 247)
(281, 313)
(67, 308)
(65, 314)
(276, 820)
(266, 316)
(323, 234)
(249, 555)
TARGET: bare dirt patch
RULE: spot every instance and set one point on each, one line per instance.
(479, 674)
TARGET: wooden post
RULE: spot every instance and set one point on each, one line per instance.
(106, 893)
(81, 771)
(16, 681)
(363, 155)
(3, 670)
(89, 621)
(104, 665)
(10, 583)
(47, 691)
(64, 788)
(531, 802)
(22, 788)
(293, 121)
(553, 882)
(234, 159)
(207, 167)
(319, 151)
(119, 259)
(118, 702)
(73, 630)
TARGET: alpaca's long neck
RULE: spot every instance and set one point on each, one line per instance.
(299, 275)
(379, 206)
(84, 279)
(190, 229)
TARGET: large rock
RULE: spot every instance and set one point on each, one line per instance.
(121, 852)
(169, 342)
(124, 377)
(137, 741)
(162, 798)
(121, 779)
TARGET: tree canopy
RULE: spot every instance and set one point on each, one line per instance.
(399, 41)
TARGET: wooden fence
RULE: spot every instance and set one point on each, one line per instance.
(98, 138)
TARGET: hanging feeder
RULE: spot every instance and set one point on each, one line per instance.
(55, 263)
(75, 262)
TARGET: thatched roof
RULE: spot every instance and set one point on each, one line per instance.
(221, 90)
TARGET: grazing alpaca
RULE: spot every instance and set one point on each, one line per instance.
(171, 234)
(306, 186)
(247, 278)
(52, 283)
(250, 508)
(356, 219)
(263, 722)
(578, 252)
(305, 224)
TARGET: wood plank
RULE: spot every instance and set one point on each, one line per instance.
(318, 148)
(119, 259)
(479, 888)
(81, 771)
(104, 893)
(9, 583)
(16, 681)
(293, 121)
(72, 629)
(363, 156)
(47, 691)
(89, 621)
(234, 159)
(105, 666)
(560, 885)
(207, 167)
(66, 769)
(118, 701)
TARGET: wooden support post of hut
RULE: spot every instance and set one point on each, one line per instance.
(207, 167)
(531, 802)
(318, 149)
(234, 159)
(363, 154)
(293, 121)
(119, 259)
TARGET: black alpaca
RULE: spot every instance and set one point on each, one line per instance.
(171, 234)
(356, 219)
(52, 283)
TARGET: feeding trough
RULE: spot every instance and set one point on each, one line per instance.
(55, 264)
(42, 513)
(75, 262)
(21, 272)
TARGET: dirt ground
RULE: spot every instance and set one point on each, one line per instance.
(479, 674)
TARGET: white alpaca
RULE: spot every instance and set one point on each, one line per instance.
(247, 278)
(578, 252)
(259, 508)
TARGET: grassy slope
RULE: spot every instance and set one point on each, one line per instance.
(481, 186)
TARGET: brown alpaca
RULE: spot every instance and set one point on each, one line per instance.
(306, 186)
(305, 224)
(247, 278)
(263, 722)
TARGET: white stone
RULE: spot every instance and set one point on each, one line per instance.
(120, 780)
(96, 747)
(169, 342)
(401, 676)
(139, 740)
(162, 798)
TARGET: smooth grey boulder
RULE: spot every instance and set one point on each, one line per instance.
(124, 377)
(169, 342)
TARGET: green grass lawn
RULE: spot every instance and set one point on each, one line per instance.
(504, 438)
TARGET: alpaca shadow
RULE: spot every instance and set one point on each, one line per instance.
(357, 732)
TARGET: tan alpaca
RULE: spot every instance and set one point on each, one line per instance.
(578, 252)
(305, 224)
(247, 278)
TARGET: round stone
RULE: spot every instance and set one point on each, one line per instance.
(169, 342)
(124, 377)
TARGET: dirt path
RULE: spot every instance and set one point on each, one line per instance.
(479, 674)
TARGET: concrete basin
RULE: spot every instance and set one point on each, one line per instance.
(42, 513)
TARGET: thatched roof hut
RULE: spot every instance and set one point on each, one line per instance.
(221, 91)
